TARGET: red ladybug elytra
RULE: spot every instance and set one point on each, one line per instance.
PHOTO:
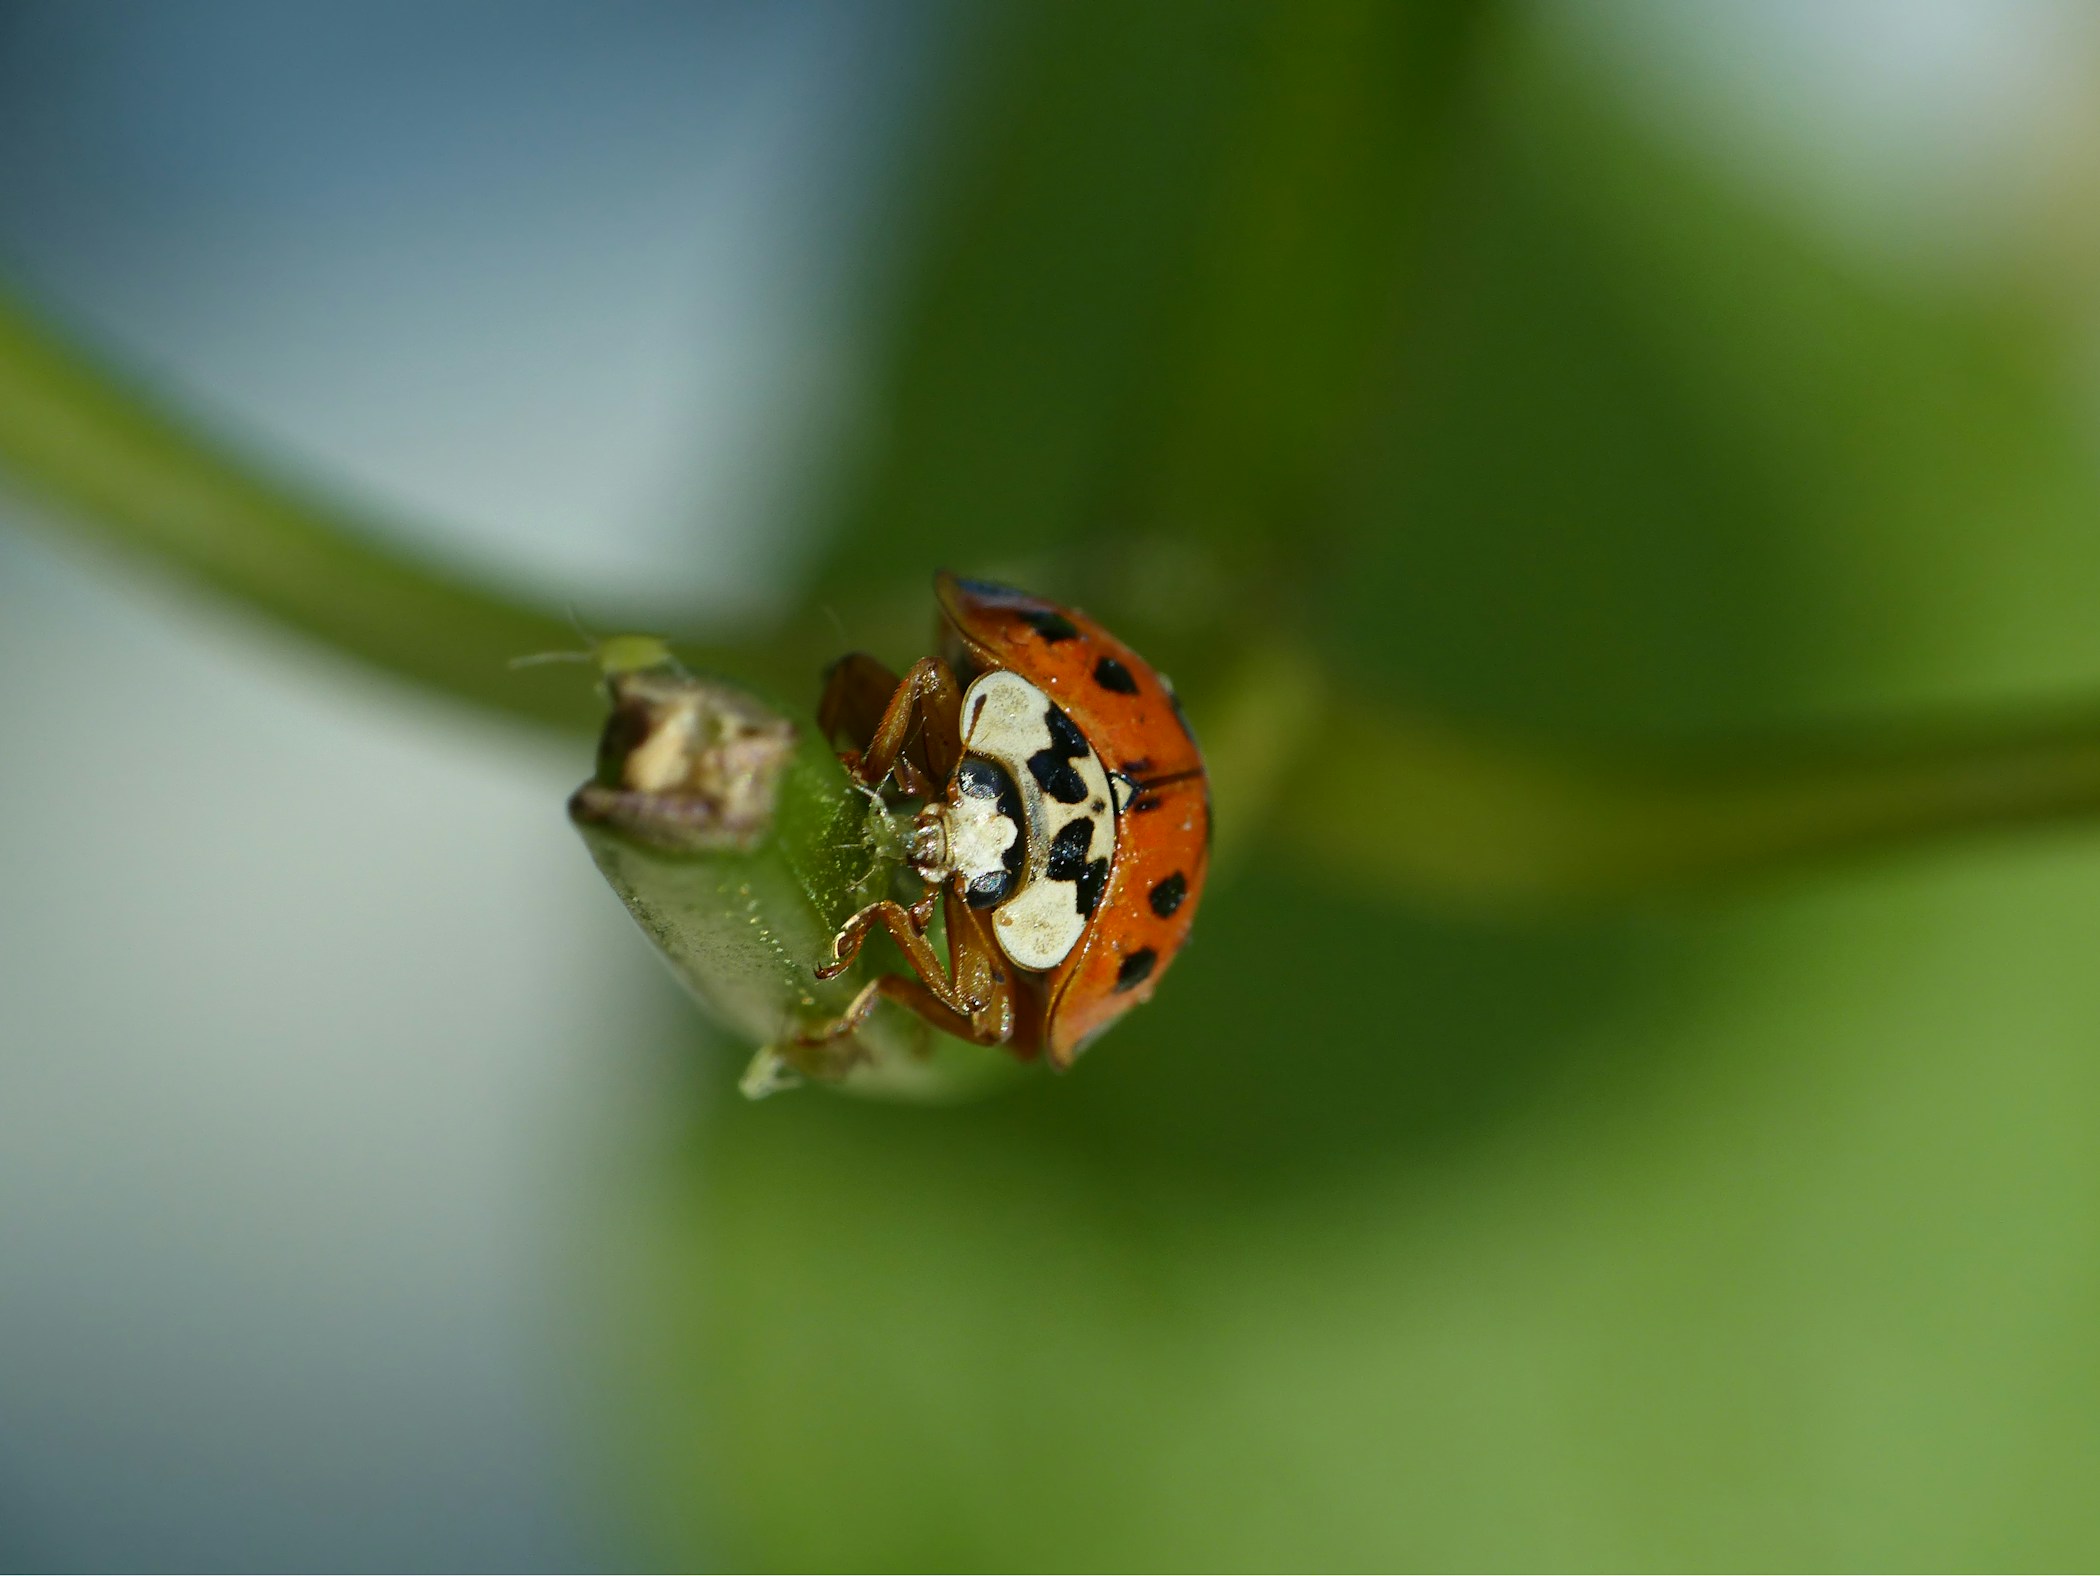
(1066, 829)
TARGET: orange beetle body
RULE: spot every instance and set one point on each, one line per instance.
(1066, 822)
(1132, 718)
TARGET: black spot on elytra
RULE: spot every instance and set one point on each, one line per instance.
(1136, 969)
(1052, 625)
(1135, 770)
(1052, 767)
(1148, 796)
(1112, 675)
(1167, 896)
(988, 590)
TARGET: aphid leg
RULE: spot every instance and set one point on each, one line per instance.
(911, 726)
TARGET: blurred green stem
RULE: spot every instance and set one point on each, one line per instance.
(1418, 808)
(1414, 805)
(121, 471)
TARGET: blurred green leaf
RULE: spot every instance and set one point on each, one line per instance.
(1376, 373)
(1164, 270)
(1386, 1238)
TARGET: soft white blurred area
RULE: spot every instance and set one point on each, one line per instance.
(315, 1022)
(1922, 136)
(302, 1035)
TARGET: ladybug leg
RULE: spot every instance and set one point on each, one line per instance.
(857, 695)
(972, 998)
(857, 690)
(915, 997)
(912, 726)
(978, 970)
(906, 927)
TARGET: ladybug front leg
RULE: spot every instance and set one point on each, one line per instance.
(972, 999)
(912, 726)
(906, 927)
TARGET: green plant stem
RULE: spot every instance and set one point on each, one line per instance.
(1420, 809)
(1465, 823)
(118, 469)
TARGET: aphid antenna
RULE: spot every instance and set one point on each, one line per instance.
(610, 654)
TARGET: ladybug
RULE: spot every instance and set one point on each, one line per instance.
(1065, 830)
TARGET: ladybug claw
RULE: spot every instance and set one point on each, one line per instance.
(845, 947)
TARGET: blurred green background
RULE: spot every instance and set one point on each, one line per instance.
(1614, 377)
